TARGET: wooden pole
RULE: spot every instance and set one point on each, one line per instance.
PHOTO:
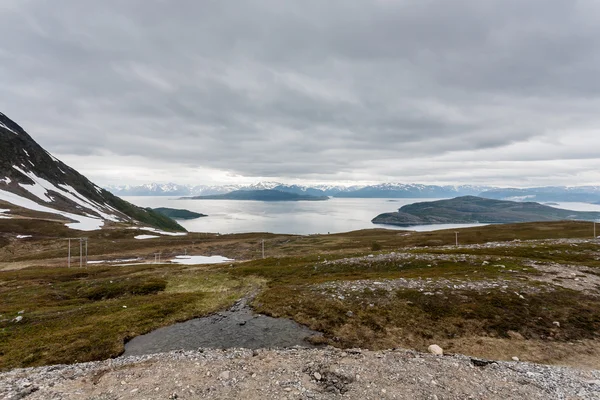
(69, 259)
(263, 248)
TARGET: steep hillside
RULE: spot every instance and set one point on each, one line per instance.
(34, 180)
(472, 209)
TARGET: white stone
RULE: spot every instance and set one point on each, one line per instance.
(224, 375)
(515, 358)
(435, 349)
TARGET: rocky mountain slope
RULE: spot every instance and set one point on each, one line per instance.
(472, 209)
(36, 184)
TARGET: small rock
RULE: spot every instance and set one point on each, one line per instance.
(556, 323)
(18, 319)
(435, 349)
(350, 314)
(224, 375)
(21, 312)
(173, 396)
(317, 376)
(515, 335)
(515, 358)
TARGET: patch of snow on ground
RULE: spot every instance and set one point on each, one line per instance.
(82, 223)
(193, 260)
(142, 237)
(114, 261)
(163, 232)
(3, 210)
(6, 180)
(23, 236)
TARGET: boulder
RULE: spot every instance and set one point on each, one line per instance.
(435, 349)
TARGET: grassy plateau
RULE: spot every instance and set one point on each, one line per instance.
(530, 290)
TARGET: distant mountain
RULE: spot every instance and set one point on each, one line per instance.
(173, 189)
(177, 213)
(35, 183)
(472, 209)
(585, 194)
(170, 189)
(385, 190)
(401, 190)
(260, 195)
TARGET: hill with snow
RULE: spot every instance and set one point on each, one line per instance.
(33, 183)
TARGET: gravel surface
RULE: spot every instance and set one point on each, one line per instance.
(326, 373)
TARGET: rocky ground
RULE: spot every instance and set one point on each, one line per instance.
(327, 373)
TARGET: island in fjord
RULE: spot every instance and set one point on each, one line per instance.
(178, 213)
(260, 195)
(472, 209)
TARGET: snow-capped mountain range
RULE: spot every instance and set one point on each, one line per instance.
(589, 194)
(385, 190)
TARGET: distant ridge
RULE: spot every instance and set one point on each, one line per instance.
(260, 195)
(587, 194)
(472, 209)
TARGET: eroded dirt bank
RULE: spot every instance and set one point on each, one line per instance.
(299, 374)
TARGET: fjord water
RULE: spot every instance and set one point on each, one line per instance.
(288, 217)
(297, 217)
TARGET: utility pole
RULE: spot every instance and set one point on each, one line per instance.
(456, 237)
(80, 253)
(69, 257)
(86, 251)
(263, 248)
(594, 229)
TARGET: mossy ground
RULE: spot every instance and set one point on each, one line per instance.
(82, 314)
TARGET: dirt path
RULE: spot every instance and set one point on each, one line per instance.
(299, 374)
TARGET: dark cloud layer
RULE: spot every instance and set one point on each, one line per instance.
(368, 90)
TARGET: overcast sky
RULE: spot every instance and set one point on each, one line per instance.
(502, 92)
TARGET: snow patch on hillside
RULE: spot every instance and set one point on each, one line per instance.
(41, 187)
(2, 125)
(143, 237)
(163, 232)
(83, 223)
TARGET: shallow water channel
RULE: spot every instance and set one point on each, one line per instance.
(237, 327)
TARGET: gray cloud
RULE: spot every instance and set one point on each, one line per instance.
(369, 90)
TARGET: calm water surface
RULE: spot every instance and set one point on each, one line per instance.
(297, 217)
(292, 217)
